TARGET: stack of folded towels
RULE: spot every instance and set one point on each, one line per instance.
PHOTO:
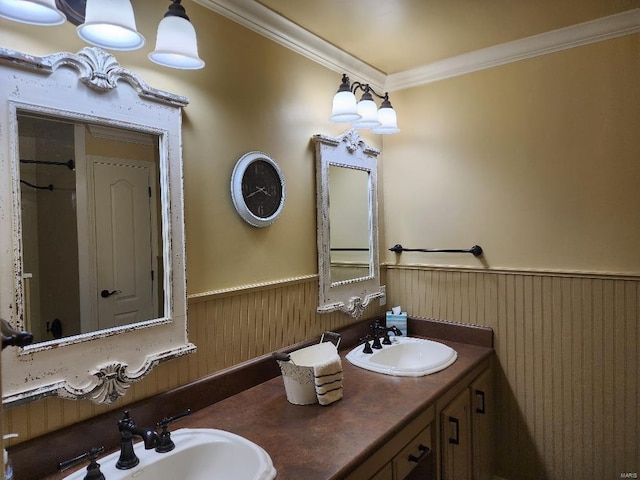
(328, 380)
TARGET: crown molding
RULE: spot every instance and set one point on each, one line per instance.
(264, 21)
(605, 28)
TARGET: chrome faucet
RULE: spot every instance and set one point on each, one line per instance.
(129, 429)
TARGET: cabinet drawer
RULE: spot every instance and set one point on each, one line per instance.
(385, 474)
(412, 454)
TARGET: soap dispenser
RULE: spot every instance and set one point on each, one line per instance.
(8, 467)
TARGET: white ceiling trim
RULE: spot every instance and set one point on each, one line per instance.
(264, 21)
(604, 28)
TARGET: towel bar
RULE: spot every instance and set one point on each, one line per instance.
(476, 250)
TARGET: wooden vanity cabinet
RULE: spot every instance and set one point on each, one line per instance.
(465, 428)
(450, 440)
(407, 456)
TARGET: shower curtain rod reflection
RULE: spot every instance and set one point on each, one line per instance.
(476, 250)
(70, 164)
(38, 187)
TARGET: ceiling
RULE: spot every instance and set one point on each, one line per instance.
(398, 35)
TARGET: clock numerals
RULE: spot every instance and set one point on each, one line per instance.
(261, 189)
(258, 168)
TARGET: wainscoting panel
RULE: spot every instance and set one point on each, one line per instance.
(567, 347)
(228, 327)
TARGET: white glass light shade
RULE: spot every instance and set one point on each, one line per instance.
(388, 121)
(368, 110)
(344, 108)
(176, 44)
(110, 24)
(33, 12)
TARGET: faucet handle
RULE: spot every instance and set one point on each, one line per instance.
(166, 444)
(367, 345)
(376, 326)
(126, 420)
(93, 469)
(167, 420)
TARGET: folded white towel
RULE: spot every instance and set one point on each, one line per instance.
(328, 380)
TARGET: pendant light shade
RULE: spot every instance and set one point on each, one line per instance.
(110, 24)
(388, 119)
(33, 12)
(368, 111)
(344, 107)
(176, 42)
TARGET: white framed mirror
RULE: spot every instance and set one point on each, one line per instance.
(347, 210)
(91, 225)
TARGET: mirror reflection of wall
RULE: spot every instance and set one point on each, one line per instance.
(91, 219)
(350, 223)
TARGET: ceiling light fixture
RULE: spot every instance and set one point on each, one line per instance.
(111, 24)
(176, 42)
(365, 113)
(32, 12)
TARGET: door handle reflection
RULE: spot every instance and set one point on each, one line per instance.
(107, 293)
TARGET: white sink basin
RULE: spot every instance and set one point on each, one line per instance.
(405, 357)
(200, 454)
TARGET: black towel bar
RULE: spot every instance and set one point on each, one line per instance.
(476, 250)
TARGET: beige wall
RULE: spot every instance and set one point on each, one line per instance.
(252, 95)
(536, 161)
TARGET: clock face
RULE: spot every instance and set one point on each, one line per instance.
(257, 189)
(261, 188)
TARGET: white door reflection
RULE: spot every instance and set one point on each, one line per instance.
(90, 227)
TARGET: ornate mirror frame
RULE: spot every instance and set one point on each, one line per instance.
(349, 151)
(89, 87)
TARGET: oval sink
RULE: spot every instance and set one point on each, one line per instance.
(405, 357)
(200, 454)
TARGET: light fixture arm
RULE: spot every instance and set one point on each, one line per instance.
(176, 10)
(366, 88)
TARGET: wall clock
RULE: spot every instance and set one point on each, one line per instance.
(258, 189)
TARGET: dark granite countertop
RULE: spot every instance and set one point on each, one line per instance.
(317, 442)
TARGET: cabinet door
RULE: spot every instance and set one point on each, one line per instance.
(456, 438)
(482, 405)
